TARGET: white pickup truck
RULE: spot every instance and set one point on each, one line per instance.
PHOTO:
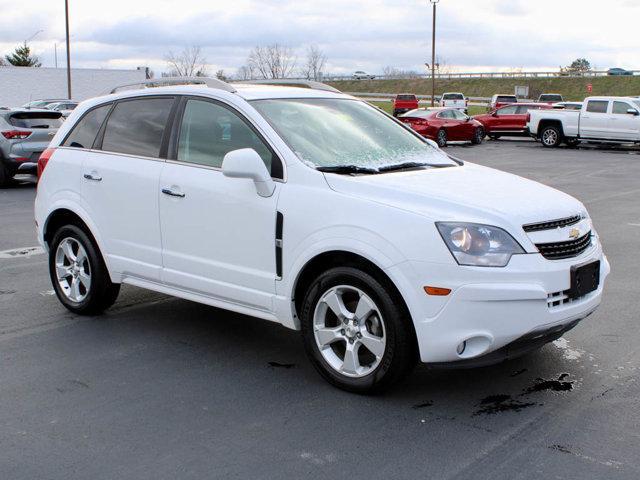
(601, 120)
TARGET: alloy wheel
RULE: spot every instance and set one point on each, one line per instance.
(349, 331)
(550, 137)
(73, 270)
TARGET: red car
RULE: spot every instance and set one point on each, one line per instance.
(444, 124)
(403, 103)
(510, 120)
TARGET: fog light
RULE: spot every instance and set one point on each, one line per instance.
(461, 347)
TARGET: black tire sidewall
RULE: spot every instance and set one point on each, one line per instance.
(391, 367)
(478, 136)
(100, 281)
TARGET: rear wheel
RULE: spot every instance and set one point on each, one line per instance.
(550, 136)
(478, 136)
(571, 142)
(5, 177)
(493, 136)
(355, 332)
(78, 273)
(441, 138)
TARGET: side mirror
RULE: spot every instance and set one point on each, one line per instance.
(246, 163)
(494, 113)
(632, 111)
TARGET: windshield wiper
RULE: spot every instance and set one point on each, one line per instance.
(347, 169)
(404, 166)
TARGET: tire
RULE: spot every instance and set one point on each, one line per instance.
(441, 138)
(551, 136)
(5, 176)
(386, 328)
(478, 136)
(493, 136)
(571, 142)
(78, 272)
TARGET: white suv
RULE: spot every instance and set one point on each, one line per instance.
(315, 210)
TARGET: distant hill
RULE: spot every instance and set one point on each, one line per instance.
(571, 88)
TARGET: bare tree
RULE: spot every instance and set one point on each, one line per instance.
(314, 64)
(273, 61)
(245, 72)
(220, 75)
(188, 63)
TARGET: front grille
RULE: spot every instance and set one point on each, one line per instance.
(560, 250)
(551, 224)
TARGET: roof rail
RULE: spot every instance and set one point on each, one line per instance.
(166, 81)
(293, 83)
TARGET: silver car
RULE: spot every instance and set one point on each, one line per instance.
(24, 134)
(43, 102)
(65, 108)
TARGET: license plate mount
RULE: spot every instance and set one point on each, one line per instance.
(584, 279)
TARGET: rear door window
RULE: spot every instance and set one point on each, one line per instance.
(136, 127)
(84, 133)
(597, 106)
(34, 120)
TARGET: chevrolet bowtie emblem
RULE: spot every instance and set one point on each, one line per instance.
(574, 233)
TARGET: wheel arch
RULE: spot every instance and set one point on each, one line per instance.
(550, 123)
(326, 260)
(65, 216)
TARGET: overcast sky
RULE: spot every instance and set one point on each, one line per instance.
(473, 35)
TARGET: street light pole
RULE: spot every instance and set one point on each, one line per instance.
(433, 54)
(66, 17)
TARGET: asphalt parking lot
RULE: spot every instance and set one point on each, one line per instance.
(162, 388)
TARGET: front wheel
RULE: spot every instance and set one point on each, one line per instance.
(551, 136)
(355, 332)
(478, 136)
(441, 138)
(79, 276)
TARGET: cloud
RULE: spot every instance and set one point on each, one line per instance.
(359, 34)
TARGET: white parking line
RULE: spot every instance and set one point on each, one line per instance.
(22, 252)
(634, 224)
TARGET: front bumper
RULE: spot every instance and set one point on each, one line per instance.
(489, 308)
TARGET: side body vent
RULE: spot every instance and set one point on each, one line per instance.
(279, 227)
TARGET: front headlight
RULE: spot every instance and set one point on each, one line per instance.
(478, 245)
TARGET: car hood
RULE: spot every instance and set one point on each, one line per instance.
(468, 193)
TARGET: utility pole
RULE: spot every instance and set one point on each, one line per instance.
(55, 53)
(433, 54)
(66, 16)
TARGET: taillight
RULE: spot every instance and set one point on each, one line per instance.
(44, 159)
(15, 134)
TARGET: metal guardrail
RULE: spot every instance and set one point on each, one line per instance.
(460, 75)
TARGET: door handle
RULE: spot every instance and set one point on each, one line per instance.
(171, 193)
(94, 177)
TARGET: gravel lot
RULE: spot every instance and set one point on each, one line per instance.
(161, 388)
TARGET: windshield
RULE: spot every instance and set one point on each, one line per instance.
(551, 98)
(505, 98)
(342, 132)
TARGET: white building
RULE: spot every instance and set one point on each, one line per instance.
(19, 85)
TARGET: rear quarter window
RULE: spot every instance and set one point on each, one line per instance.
(36, 120)
(597, 106)
(136, 127)
(84, 133)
